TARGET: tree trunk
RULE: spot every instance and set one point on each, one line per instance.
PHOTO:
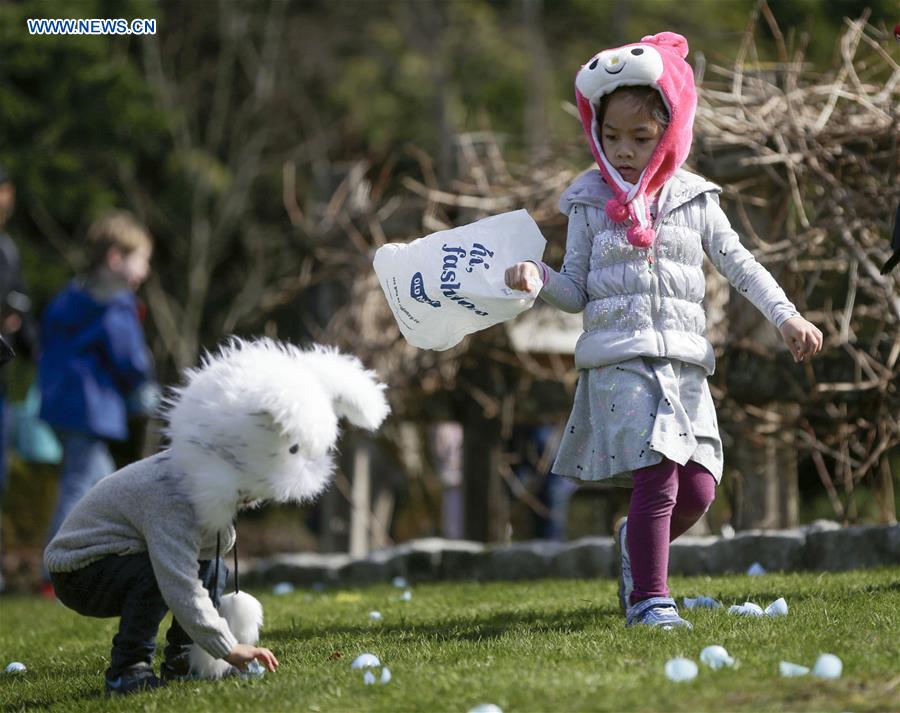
(884, 492)
(484, 507)
(431, 37)
(767, 490)
(536, 91)
(332, 522)
(620, 14)
(361, 497)
(764, 465)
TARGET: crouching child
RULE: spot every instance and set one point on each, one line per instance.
(256, 421)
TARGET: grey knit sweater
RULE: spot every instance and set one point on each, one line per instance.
(142, 508)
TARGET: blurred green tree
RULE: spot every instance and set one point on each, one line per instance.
(73, 111)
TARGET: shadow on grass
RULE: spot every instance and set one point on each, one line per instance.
(465, 628)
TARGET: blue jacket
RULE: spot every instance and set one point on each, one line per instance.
(94, 355)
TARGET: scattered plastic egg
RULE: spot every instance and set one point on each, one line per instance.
(365, 661)
(701, 602)
(777, 608)
(680, 669)
(385, 675)
(375, 615)
(486, 708)
(283, 588)
(400, 582)
(406, 596)
(828, 666)
(16, 667)
(716, 657)
(756, 570)
(368, 678)
(789, 670)
(746, 609)
(254, 670)
(727, 531)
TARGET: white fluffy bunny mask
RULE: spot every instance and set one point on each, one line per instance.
(258, 420)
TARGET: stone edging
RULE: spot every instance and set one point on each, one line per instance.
(822, 546)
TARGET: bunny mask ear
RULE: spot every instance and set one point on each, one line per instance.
(673, 40)
(356, 393)
(657, 61)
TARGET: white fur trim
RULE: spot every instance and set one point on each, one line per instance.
(640, 210)
(613, 172)
(244, 615)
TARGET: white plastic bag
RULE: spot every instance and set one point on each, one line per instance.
(451, 283)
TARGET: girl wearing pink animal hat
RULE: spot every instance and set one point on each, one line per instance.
(639, 228)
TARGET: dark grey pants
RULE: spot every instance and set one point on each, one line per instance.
(125, 586)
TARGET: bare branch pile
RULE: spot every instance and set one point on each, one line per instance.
(828, 144)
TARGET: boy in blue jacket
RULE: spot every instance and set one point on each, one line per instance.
(95, 356)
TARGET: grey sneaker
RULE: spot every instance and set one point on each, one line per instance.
(658, 612)
(138, 677)
(626, 583)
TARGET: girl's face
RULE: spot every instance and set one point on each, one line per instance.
(628, 135)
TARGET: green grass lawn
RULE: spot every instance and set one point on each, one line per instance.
(550, 645)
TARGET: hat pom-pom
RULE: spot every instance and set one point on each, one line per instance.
(640, 237)
(616, 210)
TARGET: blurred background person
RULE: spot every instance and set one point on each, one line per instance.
(534, 446)
(95, 360)
(16, 327)
(447, 449)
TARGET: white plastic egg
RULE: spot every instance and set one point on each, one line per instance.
(716, 657)
(681, 669)
(365, 661)
(828, 666)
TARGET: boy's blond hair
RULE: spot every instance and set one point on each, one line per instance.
(116, 229)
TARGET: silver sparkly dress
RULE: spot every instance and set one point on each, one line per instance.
(629, 415)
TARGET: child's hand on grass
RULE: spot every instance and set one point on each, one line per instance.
(522, 276)
(803, 338)
(242, 654)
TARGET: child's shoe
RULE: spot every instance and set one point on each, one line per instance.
(626, 583)
(137, 677)
(177, 670)
(658, 612)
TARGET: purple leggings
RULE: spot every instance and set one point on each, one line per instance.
(668, 498)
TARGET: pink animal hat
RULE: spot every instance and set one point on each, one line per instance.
(656, 61)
